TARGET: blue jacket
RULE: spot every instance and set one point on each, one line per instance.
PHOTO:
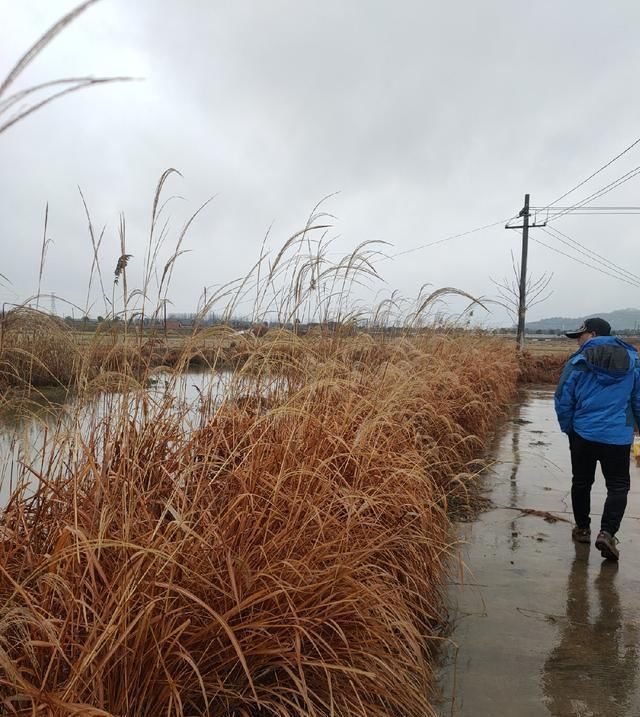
(598, 395)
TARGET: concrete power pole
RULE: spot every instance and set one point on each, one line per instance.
(522, 306)
(522, 297)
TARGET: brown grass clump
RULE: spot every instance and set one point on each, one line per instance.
(36, 350)
(286, 557)
(136, 355)
(541, 368)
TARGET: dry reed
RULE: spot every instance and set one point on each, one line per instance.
(284, 558)
(36, 349)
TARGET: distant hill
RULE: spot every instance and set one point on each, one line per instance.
(620, 320)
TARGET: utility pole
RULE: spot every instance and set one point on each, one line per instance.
(522, 307)
(522, 299)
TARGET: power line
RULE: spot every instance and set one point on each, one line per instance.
(561, 211)
(584, 263)
(583, 213)
(591, 176)
(449, 238)
(589, 253)
(613, 185)
(541, 209)
(596, 208)
(601, 192)
(595, 254)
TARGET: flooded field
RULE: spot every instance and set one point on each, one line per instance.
(542, 626)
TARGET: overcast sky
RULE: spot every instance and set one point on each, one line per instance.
(428, 118)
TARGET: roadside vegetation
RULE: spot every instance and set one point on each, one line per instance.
(280, 550)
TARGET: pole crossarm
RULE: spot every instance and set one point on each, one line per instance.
(521, 226)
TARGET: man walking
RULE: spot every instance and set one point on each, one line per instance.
(597, 402)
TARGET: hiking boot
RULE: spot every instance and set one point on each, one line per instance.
(581, 535)
(606, 544)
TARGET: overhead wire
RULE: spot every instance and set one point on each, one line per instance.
(584, 263)
(597, 208)
(552, 216)
(589, 253)
(564, 210)
(582, 213)
(449, 238)
(594, 174)
(599, 192)
(588, 211)
(580, 204)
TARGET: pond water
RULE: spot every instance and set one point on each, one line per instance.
(24, 436)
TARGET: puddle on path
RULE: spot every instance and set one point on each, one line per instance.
(542, 626)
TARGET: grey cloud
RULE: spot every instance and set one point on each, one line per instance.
(430, 119)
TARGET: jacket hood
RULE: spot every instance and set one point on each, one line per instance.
(610, 358)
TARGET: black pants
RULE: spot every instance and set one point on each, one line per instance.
(614, 461)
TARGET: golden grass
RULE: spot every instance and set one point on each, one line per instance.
(284, 557)
(36, 349)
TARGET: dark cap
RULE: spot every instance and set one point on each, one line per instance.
(596, 326)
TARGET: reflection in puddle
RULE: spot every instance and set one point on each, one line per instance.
(593, 668)
(514, 496)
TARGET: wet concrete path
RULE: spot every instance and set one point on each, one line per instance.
(543, 626)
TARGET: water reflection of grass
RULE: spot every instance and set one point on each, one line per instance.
(32, 405)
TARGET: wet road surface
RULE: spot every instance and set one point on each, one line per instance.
(540, 625)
